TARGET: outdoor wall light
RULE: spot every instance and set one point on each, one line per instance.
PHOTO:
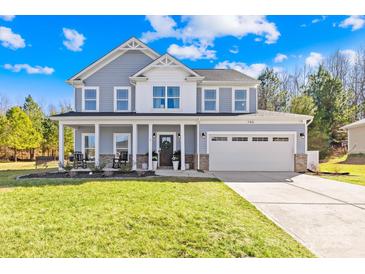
(302, 134)
(203, 134)
(179, 135)
(154, 135)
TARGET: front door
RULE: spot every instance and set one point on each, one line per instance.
(166, 150)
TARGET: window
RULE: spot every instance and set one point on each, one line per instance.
(88, 145)
(173, 97)
(240, 100)
(239, 139)
(122, 98)
(159, 94)
(280, 139)
(122, 145)
(166, 100)
(219, 139)
(260, 139)
(90, 99)
(210, 100)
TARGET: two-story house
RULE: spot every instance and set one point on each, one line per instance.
(135, 101)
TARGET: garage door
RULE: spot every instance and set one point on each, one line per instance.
(251, 152)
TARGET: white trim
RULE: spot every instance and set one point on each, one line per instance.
(115, 98)
(83, 98)
(112, 55)
(198, 143)
(233, 94)
(97, 144)
(182, 146)
(158, 142)
(216, 99)
(166, 109)
(167, 60)
(115, 143)
(150, 148)
(61, 159)
(83, 141)
(294, 133)
(134, 146)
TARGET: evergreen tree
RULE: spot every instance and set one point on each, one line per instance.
(303, 104)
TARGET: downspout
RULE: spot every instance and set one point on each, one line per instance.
(306, 134)
(198, 142)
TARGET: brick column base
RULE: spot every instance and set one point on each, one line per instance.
(204, 161)
(300, 163)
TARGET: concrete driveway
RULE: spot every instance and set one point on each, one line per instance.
(326, 216)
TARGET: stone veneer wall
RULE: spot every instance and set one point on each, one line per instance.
(107, 160)
(300, 162)
(190, 159)
(204, 161)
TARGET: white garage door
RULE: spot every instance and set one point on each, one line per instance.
(251, 152)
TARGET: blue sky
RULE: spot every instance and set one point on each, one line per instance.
(38, 53)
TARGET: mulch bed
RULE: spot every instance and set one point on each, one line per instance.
(83, 175)
(329, 173)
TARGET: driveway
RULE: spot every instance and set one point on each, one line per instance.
(326, 216)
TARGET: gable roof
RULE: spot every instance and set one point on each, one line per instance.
(131, 44)
(165, 60)
(224, 75)
(355, 124)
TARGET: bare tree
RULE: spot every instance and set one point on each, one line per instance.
(4, 104)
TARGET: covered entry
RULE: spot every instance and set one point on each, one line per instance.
(257, 151)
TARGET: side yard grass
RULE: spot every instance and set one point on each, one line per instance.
(90, 218)
(357, 171)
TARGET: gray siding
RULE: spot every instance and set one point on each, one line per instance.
(116, 73)
(299, 128)
(106, 137)
(225, 100)
(142, 142)
(199, 100)
(253, 100)
(78, 134)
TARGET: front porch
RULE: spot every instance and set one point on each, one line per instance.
(136, 143)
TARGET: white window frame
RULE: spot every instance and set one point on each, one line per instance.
(115, 143)
(247, 99)
(83, 99)
(83, 135)
(115, 99)
(216, 99)
(166, 97)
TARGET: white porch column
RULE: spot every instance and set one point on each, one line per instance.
(198, 144)
(150, 147)
(182, 145)
(134, 148)
(97, 144)
(61, 157)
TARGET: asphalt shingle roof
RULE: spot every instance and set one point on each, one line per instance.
(224, 75)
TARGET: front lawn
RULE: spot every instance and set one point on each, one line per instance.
(357, 171)
(79, 218)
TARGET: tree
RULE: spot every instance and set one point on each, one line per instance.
(50, 136)
(303, 104)
(36, 115)
(4, 133)
(22, 133)
(4, 104)
(267, 89)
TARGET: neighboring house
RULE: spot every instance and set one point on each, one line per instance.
(355, 137)
(135, 101)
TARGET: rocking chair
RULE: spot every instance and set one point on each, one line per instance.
(79, 160)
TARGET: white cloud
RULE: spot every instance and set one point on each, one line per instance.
(206, 28)
(234, 50)
(314, 59)
(7, 17)
(350, 54)
(280, 58)
(74, 40)
(201, 31)
(253, 70)
(29, 69)
(11, 40)
(191, 52)
(258, 39)
(355, 22)
(303, 25)
(317, 20)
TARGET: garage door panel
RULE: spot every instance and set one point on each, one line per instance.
(251, 156)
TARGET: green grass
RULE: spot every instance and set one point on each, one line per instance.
(80, 218)
(357, 172)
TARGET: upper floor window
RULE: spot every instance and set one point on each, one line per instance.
(240, 100)
(122, 100)
(210, 100)
(166, 100)
(90, 99)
